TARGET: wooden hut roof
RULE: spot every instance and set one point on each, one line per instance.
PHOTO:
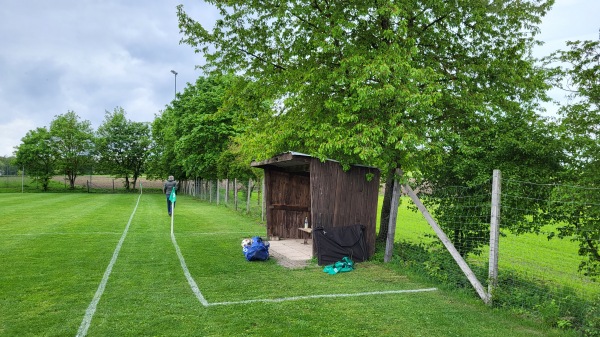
(291, 161)
(287, 160)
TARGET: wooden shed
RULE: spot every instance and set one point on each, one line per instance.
(299, 187)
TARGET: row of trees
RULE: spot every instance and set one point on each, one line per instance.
(69, 146)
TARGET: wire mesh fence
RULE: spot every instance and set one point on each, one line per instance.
(547, 252)
(14, 183)
(241, 195)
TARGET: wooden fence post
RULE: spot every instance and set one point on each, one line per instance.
(235, 193)
(218, 194)
(248, 196)
(226, 191)
(389, 244)
(494, 234)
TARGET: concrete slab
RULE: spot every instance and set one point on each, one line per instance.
(291, 253)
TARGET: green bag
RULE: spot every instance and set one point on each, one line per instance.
(341, 266)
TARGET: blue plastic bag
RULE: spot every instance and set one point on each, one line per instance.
(257, 251)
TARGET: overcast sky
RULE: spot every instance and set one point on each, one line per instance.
(90, 56)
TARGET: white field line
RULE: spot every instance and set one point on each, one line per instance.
(186, 271)
(205, 303)
(89, 313)
(297, 298)
(221, 233)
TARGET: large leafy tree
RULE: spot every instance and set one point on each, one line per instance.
(386, 83)
(579, 74)
(72, 140)
(123, 146)
(37, 156)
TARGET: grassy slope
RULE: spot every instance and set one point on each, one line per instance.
(54, 250)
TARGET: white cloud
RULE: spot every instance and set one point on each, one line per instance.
(13, 130)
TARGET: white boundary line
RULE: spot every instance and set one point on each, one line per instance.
(186, 272)
(247, 233)
(296, 298)
(89, 313)
(205, 303)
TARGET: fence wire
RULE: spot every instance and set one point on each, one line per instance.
(245, 196)
(546, 248)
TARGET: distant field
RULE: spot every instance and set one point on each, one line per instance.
(60, 183)
(55, 250)
(107, 182)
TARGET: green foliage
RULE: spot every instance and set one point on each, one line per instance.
(591, 326)
(38, 156)
(122, 146)
(72, 140)
(523, 146)
(578, 73)
(192, 134)
(372, 83)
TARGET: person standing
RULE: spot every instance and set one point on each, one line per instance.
(170, 184)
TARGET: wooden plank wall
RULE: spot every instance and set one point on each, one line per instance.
(287, 203)
(344, 198)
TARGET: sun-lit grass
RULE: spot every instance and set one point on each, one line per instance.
(54, 250)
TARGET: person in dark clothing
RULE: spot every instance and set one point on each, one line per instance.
(170, 184)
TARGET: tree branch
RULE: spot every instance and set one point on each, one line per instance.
(277, 66)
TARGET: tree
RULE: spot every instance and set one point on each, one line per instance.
(123, 146)
(72, 140)
(37, 155)
(578, 73)
(382, 83)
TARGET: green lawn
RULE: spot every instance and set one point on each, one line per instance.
(55, 249)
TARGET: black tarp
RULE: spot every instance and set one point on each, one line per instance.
(333, 243)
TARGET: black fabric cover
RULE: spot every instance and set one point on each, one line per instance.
(333, 243)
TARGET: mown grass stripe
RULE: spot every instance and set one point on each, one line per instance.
(62, 233)
(89, 313)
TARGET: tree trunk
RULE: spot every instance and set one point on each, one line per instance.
(72, 178)
(384, 218)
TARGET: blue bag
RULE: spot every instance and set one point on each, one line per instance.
(257, 251)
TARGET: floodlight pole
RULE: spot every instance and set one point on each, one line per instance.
(175, 73)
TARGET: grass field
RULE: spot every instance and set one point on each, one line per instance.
(55, 250)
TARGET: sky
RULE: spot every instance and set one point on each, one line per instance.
(91, 56)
